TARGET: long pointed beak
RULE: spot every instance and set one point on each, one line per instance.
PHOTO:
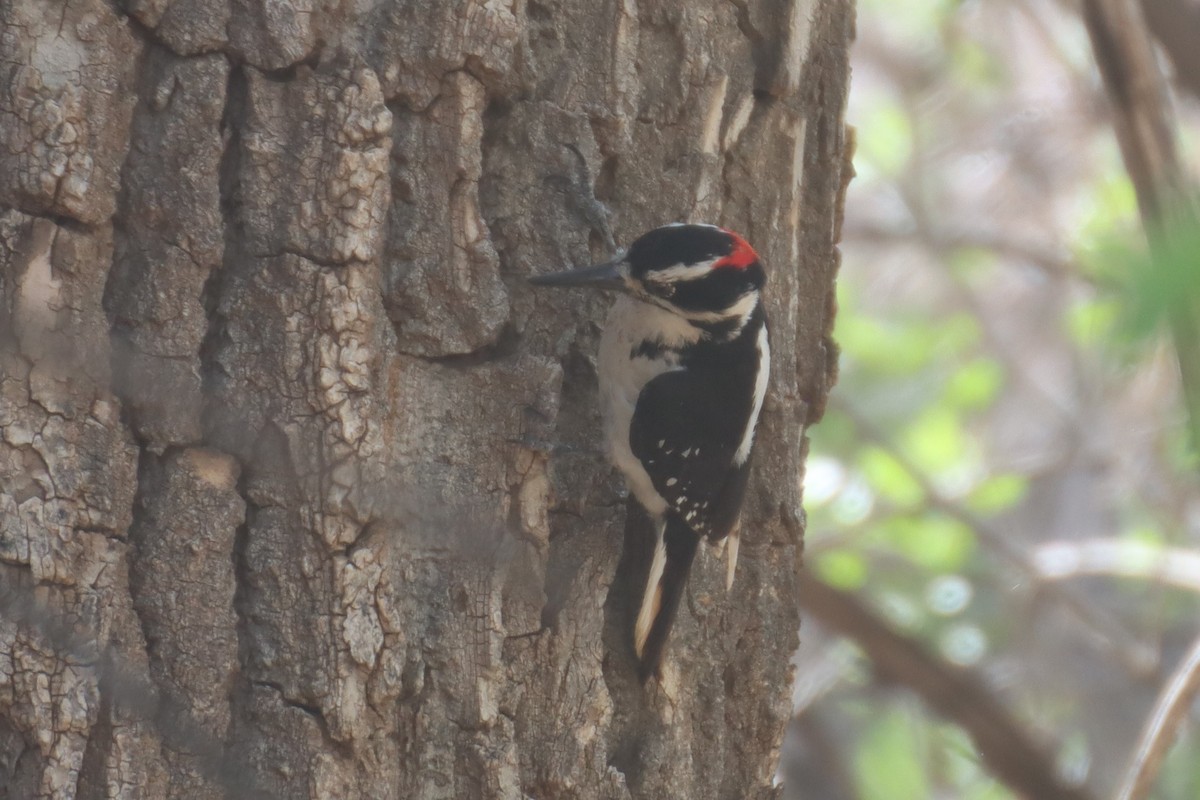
(602, 276)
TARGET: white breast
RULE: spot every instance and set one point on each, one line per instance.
(622, 376)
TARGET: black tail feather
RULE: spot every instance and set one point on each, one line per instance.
(681, 544)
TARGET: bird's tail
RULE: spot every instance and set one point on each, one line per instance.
(673, 553)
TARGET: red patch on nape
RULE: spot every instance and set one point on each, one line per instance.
(740, 257)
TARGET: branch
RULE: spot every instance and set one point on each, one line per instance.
(1138, 94)
(1134, 655)
(959, 695)
(1145, 130)
(1176, 25)
(1172, 566)
(1043, 256)
(1162, 727)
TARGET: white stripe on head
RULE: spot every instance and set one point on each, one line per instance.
(682, 272)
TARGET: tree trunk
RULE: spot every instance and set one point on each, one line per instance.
(300, 489)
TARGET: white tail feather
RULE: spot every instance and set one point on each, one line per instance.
(731, 554)
(652, 596)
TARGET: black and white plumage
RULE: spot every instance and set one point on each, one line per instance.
(684, 362)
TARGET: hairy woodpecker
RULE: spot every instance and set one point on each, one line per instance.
(683, 366)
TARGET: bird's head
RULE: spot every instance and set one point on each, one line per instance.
(703, 273)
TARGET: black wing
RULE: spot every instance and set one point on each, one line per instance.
(686, 428)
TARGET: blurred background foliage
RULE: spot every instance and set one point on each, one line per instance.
(1004, 475)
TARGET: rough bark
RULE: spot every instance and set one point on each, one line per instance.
(285, 435)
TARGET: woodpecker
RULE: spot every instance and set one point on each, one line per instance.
(683, 367)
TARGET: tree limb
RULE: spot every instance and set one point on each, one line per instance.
(1145, 130)
(1163, 725)
(956, 694)
(1176, 25)
(1141, 116)
(1168, 566)
(1138, 658)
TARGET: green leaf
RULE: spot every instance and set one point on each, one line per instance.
(1093, 321)
(975, 385)
(1181, 456)
(885, 137)
(842, 568)
(964, 767)
(997, 493)
(1107, 207)
(889, 478)
(987, 788)
(1150, 286)
(1180, 774)
(835, 437)
(882, 346)
(935, 440)
(1176, 278)
(1146, 534)
(915, 20)
(902, 347)
(974, 66)
(969, 260)
(934, 540)
(957, 334)
(888, 764)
